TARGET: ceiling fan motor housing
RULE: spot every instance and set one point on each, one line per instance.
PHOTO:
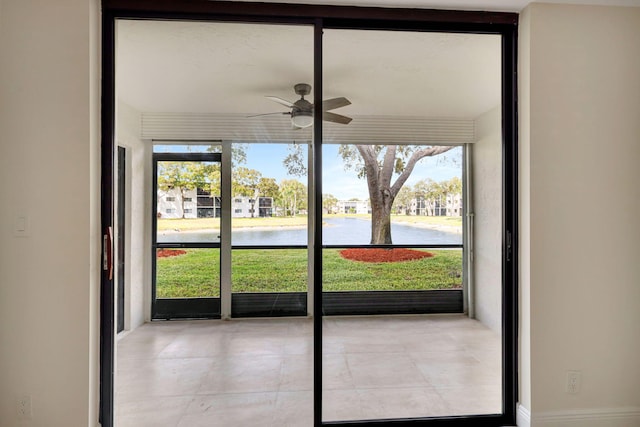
(302, 106)
(302, 89)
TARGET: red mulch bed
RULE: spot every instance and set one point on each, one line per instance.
(383, 255)
(164, 253)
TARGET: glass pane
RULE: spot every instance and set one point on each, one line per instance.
(209, 81)
(188, 204)
(269, 194)
(394, 174)
(187, 273)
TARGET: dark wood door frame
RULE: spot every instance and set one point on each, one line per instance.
(504, 24)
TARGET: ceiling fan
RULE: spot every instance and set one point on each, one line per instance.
(302, 110)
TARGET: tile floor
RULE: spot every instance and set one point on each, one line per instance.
(259, 372)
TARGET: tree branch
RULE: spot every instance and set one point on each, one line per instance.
(415, 157)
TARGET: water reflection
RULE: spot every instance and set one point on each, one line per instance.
(336, 231)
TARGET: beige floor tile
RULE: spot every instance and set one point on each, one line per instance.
(403, 403)
(459, 372)
(297, 373)
(335, 373)
(231, 410)
(341, 405)
(294, 409)
(152, 412)
(162, 377)
(242, 374)
(384, 370)
(472, 399)
(260, 371)
(196, 345)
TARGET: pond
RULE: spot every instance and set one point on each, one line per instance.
(336, 231)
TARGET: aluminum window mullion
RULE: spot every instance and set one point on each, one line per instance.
(225, 231)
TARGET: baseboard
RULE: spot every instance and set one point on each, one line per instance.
(598, 417)
(523, 417)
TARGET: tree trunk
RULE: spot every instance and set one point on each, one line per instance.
(182, 194)
(381, 222)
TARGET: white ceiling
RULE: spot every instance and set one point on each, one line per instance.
(230, 68)
(488, 5)
(198, 67)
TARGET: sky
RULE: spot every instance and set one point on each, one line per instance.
(341, 183)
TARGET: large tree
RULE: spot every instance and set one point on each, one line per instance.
(451, 187)
(403, 200)
(267, 187)
(329, 203)
(379, 164)
(292, 196)
(245, 182)
(179, 176)
(429, 192)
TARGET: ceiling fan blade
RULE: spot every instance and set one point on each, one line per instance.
(267, 114)
(336, 118)
(332, 104)
(280, 101)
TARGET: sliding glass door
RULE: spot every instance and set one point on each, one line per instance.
(354, 174)
(397, 234)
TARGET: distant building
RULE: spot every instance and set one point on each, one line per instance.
(353, 207)
(249, 207)
(449, 206)
(199, 203)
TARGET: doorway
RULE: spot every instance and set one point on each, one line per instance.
(322, 339)
(186, 240)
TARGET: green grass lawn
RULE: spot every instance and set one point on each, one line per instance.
(197, 274)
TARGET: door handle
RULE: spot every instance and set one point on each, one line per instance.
(107, 251)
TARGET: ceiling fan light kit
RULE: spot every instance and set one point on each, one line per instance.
(302, 110)
(302, 119)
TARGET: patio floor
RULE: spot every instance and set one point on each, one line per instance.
(260, 371)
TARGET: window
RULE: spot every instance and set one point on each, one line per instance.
(188, 199)
(171, 199)
(238, 211)
(170, 211)
(188, 211)
(237, 200)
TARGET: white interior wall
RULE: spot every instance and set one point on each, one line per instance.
(138, 265)
(49, 167)
(524, 214)
(580, 146)
(487, 209)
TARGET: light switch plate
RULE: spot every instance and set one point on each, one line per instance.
(21, 225)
